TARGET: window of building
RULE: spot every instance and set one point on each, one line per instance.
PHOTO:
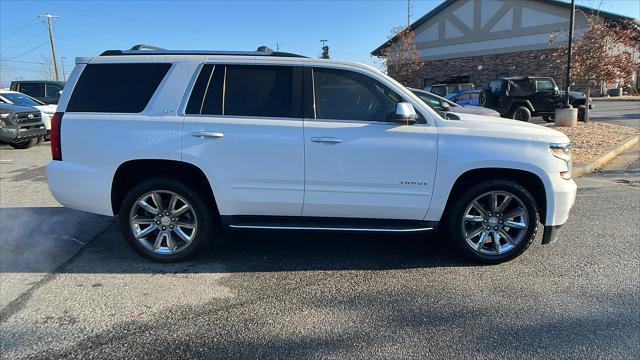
(116, 88)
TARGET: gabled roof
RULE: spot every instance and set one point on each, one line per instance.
(444, 4)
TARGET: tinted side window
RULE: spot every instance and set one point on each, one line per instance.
(53, 90)
(495, 86)
(347, 95)
(206, 96)
(266, 91)
(32, 89)
(116, 88)
(544, 86)
(520, 88)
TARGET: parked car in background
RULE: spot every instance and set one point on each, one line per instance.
(47, 91)
(522, 97)
(17, 98)
(445, 106)
(20, 126)
(243, 139)
(465, 97)
(577, 100)
(444, 89)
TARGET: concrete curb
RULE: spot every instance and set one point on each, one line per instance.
(612, 153)
(616, 98)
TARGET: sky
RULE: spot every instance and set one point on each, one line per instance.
(85, 28)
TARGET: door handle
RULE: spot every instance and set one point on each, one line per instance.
(326, 140)
(210, 134)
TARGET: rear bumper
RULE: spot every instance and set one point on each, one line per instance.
(81, 187)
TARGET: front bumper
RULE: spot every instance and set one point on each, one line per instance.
(551, 234)
(13, 134)
(560, 201)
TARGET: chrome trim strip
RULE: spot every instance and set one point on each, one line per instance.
(326, 228)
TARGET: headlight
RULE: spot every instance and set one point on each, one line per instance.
(563, 152)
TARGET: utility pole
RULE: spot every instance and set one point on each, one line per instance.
(325, 49)
(570, 53)
(53, 47)
(64, 76)
(408, 13)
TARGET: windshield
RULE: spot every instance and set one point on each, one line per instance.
(433, 101)
(20, 99)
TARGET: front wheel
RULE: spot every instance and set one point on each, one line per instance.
(494, 221)
(164, 220)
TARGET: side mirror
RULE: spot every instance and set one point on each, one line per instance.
(445, 106)
(405, 113)
(556, 91)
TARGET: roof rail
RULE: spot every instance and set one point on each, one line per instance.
(142, 49)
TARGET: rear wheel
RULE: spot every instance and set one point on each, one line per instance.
(164, 220)
(520, 113)
(25, 144)
(494, 221)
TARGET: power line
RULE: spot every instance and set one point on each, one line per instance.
(26, 52)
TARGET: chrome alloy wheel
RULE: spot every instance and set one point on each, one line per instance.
(495, 222)
(163, 222)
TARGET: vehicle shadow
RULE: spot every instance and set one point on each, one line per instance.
(274, 251)
(45, 239)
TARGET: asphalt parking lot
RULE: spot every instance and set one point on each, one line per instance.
(70, 287)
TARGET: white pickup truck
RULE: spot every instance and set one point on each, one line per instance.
(177, 142)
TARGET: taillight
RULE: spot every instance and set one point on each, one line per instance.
(56, 148)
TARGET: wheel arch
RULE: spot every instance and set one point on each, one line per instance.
(132, 172)
(525, 103)
(529, 180)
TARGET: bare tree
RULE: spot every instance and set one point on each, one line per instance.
(46, 70)
(401, 59)
(602, 54)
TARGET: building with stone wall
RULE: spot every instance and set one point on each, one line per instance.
(478, 40)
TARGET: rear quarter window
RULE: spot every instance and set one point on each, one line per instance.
(116, 88)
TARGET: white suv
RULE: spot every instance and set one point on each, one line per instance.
(176, 142)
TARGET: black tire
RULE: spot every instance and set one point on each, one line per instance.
(455, 222)
(520, 113)
(581, 114)
(548, 118)
(483, 98)
(25, 144)
(40, 140)
(203, 215)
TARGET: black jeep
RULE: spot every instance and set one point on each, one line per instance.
(521, 98)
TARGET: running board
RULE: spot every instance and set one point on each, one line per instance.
(327, 224)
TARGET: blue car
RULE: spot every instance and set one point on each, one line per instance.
(465, 97)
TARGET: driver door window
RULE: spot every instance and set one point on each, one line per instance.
(347, 95)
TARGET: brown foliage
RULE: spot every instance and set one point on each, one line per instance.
(601, 54)
(401, 58)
